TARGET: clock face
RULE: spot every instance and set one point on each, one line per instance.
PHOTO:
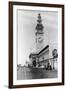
(40, 39)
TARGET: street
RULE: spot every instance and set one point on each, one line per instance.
(35, 73)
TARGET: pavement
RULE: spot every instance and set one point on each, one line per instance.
(25, 73)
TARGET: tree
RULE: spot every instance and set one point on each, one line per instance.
(54, 53)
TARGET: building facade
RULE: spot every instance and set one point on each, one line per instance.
(43, 55)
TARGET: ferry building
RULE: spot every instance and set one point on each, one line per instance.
(45, 55)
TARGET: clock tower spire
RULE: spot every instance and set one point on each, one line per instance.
(39, 34)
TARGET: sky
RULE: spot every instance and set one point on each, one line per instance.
(26, 23)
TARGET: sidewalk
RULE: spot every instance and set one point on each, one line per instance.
(35, 73)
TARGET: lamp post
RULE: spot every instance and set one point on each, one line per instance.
(55, 55)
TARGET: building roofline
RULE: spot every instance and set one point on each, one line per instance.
(43, 49)
(37, 54)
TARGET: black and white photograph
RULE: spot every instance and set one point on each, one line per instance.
(37, 38)
(37, 44)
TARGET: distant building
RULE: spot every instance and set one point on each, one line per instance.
(43, 55)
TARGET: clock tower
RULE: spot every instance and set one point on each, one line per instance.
(39, 34)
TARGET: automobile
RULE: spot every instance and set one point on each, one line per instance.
(41, 66)
(49, 67)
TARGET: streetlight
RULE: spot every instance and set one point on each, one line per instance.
(55, 55)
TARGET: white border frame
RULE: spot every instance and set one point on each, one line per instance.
(24, 82)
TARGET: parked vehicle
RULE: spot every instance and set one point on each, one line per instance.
(48, 67)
